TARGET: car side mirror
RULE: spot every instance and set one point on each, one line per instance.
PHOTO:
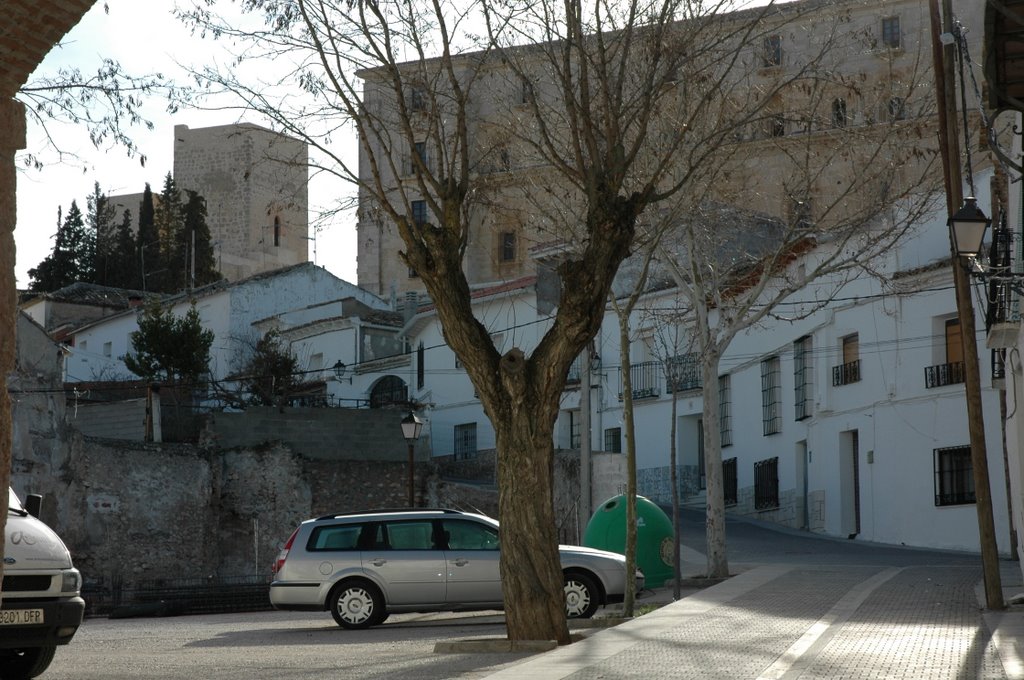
(34, 504)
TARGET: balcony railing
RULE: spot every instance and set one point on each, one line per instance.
(682, 373)
(846, 373)
(943, 374)
(645, 379)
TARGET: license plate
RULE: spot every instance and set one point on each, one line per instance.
(20, 617)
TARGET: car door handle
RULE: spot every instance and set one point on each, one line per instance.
(379, 562)
(461, 562)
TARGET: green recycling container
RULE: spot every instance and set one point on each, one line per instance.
(607, 531)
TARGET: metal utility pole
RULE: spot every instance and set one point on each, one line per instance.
(949, 145)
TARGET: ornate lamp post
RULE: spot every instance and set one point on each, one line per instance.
(411, 428)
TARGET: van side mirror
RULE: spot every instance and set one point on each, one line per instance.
(34, 504)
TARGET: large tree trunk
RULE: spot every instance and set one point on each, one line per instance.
(530, 566)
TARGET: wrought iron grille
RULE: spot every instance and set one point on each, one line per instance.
(645, 378)
(730, 482)
(846, 373)
(766, 484)
(944, 374)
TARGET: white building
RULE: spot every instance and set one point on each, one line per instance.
(236, 312)
(850, 422)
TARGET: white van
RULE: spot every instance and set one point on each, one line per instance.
(41, 605)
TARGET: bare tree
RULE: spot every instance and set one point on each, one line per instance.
(596, 112)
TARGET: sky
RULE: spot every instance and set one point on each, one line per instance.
(145, 37)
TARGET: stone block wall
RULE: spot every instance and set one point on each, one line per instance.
(317, 433)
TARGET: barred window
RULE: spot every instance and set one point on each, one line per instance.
(729, 481)
(954, 476)
(802, 377)
(771, 417)
(613, 440)
(766, 484)
(725, 409)
(465, 441)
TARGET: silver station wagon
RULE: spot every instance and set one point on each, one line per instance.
(364, 566)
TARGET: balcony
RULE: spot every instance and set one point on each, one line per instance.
(683, 373)
(645, 379)
(846, 373)
(943, 374)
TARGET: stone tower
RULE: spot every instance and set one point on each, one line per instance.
(255, 182)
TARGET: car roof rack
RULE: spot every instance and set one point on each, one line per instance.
(392, 511)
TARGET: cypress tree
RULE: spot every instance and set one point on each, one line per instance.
(148, 242)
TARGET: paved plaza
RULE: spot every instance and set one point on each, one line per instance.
(810, 608)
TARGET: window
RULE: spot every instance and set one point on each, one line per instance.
(771, 419)
(725, 409)
(84, 345)
(410, 535)
(954, 342)
(683, 373)
(729, 481)
(613, 440)
(891, 32)
(419, 151)
(839, 113)
(954, 476)
(952, 371)
(800, 212)
(766, 484)
(277, 231)
(107, 349)
(420, 368)
(777, 126)
(419, 213)
(896, 109)
(802, 377)
(418, 100)
(465, 441)
(508, 246)
(464, 535)
(316, 361)
(772, 51)
(344, 537)
(504, 159)
(574, 429)
(849, 371)
(526, 92)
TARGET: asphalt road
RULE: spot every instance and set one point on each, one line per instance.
(276, 645)
(309, 645)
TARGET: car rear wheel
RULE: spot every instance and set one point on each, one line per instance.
(582, 597)
(357, 604)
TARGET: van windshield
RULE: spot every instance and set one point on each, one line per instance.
(13, 504)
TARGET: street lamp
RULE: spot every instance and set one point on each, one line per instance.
(968, 225)
(411, 428)
(340, 371)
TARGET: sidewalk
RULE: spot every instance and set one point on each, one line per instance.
(787, 621)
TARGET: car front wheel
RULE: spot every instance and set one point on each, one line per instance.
(21, 664)
(357, 604)
(581, 596)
